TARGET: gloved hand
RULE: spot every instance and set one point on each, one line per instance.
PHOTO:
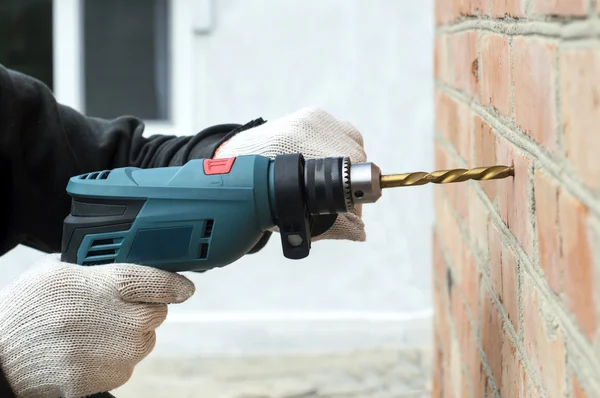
(315, 134)
(71, 331)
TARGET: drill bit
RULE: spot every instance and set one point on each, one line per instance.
(446, 176)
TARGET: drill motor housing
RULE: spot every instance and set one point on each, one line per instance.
(207, 213)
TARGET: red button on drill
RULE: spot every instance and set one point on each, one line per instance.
(218, 166)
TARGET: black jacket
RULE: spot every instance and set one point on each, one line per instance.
(44, 143)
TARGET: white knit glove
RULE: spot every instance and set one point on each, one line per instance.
(315, 134)
(71, 331)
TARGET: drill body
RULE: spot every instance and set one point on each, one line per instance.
(207, 213)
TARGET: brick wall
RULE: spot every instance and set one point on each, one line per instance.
(517, 260)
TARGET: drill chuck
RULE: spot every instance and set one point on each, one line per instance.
(327, 185)
(334, 185)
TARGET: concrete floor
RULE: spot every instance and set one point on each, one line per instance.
(389, 373)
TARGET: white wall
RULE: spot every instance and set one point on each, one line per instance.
(365, 61)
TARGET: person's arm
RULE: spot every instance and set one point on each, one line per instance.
(44, 143)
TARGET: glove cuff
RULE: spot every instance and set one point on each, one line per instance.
(225, 139)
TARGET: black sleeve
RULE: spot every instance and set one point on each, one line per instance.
(5, 388)
(44, 143)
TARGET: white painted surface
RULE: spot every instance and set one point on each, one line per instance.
(68, 64)
(365, 61)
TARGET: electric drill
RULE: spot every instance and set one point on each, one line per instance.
(210, 212)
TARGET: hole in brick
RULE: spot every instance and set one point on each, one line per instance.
(449, 281)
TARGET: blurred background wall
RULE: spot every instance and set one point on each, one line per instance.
(183, 65)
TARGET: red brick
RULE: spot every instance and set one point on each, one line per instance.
(455, 370)
(440, 157)
(559, 7)
(469, 282)
(458, 312)
(464, 332)
(478, 221)
(441, 58)
(470, 7)
(459, 380)
(444, 12)
(578, 392)
(477, 376)
(495, 74)
(484, 151)
(514, 8)
(495, 259)
(463, 47)
(447, 121)
(548, 230)
(449, 233)
(544, 344)
(461, 134)
(503, 276)
(453, 121)
(510, 282)
(442, 324)
(464, 386)
(472, 360)
(437, 374)
(580, 96)
(565, 251)
(447, 384)
(491, 337)
(535, 96)
(514, 202)
(439, 265)
(578, 260)
(514, 378)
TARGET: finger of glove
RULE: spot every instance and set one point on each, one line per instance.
(147, 317)
(141, 284)
(347, 226)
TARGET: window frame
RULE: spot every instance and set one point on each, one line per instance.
(67, 25)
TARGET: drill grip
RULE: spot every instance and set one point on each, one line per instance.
(96, 216)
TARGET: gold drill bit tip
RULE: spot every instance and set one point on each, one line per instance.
(446, 176)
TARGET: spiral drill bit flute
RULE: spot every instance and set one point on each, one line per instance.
(366, 180)
(446, 176)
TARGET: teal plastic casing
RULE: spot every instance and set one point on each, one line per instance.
(172, 218)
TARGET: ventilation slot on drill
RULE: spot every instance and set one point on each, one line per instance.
(103, 251)
(202, 251)
(208, 228)
(100, 175)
